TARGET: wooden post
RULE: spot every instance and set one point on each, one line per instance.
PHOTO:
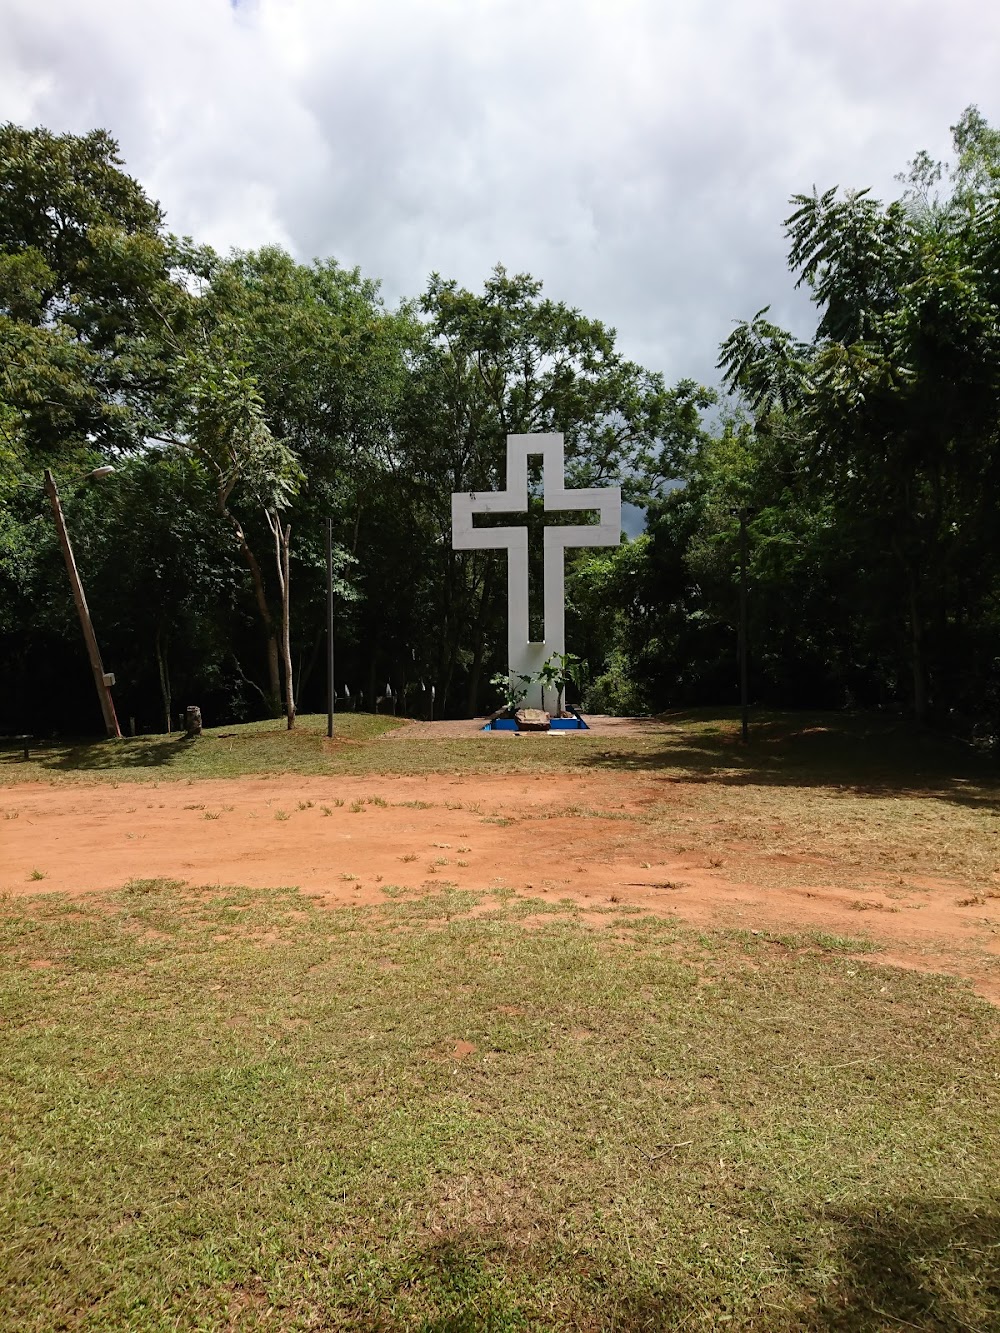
(102, 680)
(192, 721)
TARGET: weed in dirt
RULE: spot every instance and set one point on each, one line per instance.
(195, 806)
(357, 807)
(325, 810)
(338, 801)
(305, 805)
(37, 874)
(10, 814)
(408, 856)
(139, 888)
(584, 812)
(462, 864)
(380, 801)
(414, 805)
(211, 814)
(282, 815)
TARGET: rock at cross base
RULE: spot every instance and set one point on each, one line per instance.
(532, 719)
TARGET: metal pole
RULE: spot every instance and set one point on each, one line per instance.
(744, 685)
(90, 638)
(329, 628)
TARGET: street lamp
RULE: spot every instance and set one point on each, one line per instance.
(102, 679)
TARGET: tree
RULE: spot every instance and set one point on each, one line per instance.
(218, 418)
(285, 385)
(896, 397)
(81, 251)
(508, 361)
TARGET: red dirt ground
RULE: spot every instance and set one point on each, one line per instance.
(84, 838)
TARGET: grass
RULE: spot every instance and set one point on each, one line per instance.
(221, 752)
(839, 751)
(232, 1109)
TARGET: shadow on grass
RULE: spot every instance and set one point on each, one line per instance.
(857, 753)
(96, 756)
(911, 1263)
(907, 1263)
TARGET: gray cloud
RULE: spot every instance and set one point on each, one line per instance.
(637, 157)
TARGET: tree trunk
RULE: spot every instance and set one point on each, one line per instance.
(260, 595)
(476, 669)
(918, 662)
(282, 539)
(164, 674)
(307, 665)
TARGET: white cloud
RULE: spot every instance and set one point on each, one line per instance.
(636, 156)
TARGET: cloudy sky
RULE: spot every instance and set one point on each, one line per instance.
(636, 155)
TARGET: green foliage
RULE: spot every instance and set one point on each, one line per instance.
(893, 406)
(229, 390)
(512, 689)
(555, 673)
(80, 253)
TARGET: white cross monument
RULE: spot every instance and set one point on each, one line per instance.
(525, 657)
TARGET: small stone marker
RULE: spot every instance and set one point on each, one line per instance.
(192, 721)
(532, 719)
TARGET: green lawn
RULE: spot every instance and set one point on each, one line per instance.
(828, 749)
(234, 1110)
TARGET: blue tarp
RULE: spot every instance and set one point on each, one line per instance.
(557, 724)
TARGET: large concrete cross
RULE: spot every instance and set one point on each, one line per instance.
(524, 657)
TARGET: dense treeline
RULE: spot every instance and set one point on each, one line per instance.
(243, 399)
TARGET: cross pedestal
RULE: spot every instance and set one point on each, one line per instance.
(524, 657)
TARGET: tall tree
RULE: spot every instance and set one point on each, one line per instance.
(505, 361)
(897, 396)
(81, 251)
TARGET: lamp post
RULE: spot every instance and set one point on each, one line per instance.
(102, 679)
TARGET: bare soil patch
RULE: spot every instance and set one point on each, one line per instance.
(704, 855)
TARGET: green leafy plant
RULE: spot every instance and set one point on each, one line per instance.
(512, 694)
(555, 673)
(558, 671)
